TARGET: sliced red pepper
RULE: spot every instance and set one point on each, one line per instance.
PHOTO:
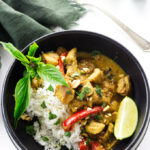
(83, 146)
(96, 146)
(60, 63)
(80, 115)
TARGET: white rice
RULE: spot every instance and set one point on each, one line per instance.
(55, 133)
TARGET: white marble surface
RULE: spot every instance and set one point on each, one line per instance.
(134, 13)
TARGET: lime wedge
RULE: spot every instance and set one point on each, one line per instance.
(127, 119)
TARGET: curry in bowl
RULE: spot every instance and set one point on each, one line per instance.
(75, 97)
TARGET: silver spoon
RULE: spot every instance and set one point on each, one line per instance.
(144, 44)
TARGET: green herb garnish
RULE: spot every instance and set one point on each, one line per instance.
(83, 93)
(43, 105)
(83, 130)
(87, 142)
(87, 90)
(68, 92)
(57, 122)
(30, 130)
(32, 49)
(65, 61)
(39, 122)
(34, 67)
(68, 134)
(52, 116)
(50, 88)
(76, 74)
(94, 53)
(104, 104)
(99, 117)
(44, 138)
(98, 91)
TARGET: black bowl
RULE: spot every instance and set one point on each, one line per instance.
(84, 41)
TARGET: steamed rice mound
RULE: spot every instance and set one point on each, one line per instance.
(54, 133)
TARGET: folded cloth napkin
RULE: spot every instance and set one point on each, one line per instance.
(22, 21)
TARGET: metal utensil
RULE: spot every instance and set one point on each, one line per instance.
(143, 43)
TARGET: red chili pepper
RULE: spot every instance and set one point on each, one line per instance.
(80, 115)
(60, 63)
(83, 146)
(96, 146)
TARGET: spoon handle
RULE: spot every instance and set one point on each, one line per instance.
(143, 43)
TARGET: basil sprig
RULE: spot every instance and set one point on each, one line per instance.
(34, 67)
(22, 97)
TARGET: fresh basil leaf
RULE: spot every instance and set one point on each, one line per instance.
(43, 105)
(99, 117)
(98, 91)
(14, 52)
(104, 104)
(32, 49)
(22, 97)
(87, 142)
(50, 88)
(31, 71)
(51, 74)
(82, 95)
(87, 90)
(68, 134)
(52, 116)
(44, 138)
(57, 122)
(34, 59)
(30, 130)
(25, 73)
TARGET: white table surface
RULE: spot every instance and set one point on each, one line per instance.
(134, 13)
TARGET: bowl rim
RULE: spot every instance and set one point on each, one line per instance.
(140, 135)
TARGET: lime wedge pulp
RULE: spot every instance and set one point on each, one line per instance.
(127, 119)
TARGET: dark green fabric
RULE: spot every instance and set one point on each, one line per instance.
(22, 21)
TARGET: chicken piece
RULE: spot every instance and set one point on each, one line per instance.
(94, 127)
(111, 144)
(94, 99)
(106, 95)
(71, 62)
(76, 105)
(114, 105)
(25, 117)
(110, 118)
(108, 133)
(86, 66)
(64, 94)
(50, 58)
(97, 76)
(35, 83)
(88, 85)
(114, 117)
(124, 86)
(109, 85)
(61, 50)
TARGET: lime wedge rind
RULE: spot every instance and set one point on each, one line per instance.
(127, 119)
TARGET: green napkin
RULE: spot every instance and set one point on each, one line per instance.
(22, 21)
